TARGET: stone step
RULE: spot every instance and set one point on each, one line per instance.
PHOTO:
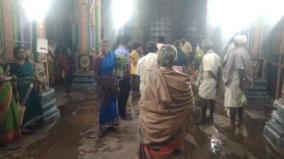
(273, 138)
(258, 81)
(262, 100)
(257, 89)
(48, 105)
(278, 128)
(279, 117)
(264, 93)
(278, 105)
(83, 86)
(83, 81)
(76, 74)
(47, 96)
(49, 118)
(49, 108)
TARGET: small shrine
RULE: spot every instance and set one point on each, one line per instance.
(46, 94)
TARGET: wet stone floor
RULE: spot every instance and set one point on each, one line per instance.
(75, 136)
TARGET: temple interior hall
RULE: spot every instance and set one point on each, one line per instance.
(144, 79)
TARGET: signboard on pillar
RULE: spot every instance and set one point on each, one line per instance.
(42, 46)
(41, 34)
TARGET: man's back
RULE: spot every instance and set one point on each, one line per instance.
(211, 62)
(147, 64)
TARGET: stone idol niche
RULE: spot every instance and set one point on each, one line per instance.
(257, 93)
(83, 77)
(41, 76)
(46, 94)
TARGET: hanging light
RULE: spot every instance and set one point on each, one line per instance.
(122, 10)
(36, 10)
(233, 16)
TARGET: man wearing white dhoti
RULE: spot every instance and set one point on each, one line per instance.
(237, 76)
(210, 77)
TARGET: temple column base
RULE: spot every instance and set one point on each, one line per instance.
(83, 81)
(50, 111)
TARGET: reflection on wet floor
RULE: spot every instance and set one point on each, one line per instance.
(217, 141)
(207, 141)
(75, 137)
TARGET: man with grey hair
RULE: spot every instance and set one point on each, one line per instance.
(165, 108)
(210, 78)
(237, 76)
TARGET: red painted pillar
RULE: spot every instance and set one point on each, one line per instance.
(8, 28)
(83, 11)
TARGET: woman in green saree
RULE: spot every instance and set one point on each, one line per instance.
(24, 72)
(9, 118)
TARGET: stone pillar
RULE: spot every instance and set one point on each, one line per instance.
(41, 34)
(1, 34)
(47, 99)
(82, 17)
(8, 27)
(83, 78)
(96, 24)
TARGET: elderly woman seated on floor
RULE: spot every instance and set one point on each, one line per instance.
(165, 107)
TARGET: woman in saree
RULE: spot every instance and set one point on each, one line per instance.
(167, 99)
(24, 72)
(9, 118)
(104, 68)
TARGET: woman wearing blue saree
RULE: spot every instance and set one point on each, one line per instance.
(24, 72)
(104, 68)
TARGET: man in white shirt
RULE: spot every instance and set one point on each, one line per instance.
(148, 63)
(210, 78)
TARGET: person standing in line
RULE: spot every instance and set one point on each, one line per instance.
(124, 83)
(23, 70)
(147, 64)
(186, 48)
(237, 77)
(51, 63)
(161, 41)
(104, 66)
(181, 57)
(210, 80)
(64, 62)
(165, 108)
(134, 56)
